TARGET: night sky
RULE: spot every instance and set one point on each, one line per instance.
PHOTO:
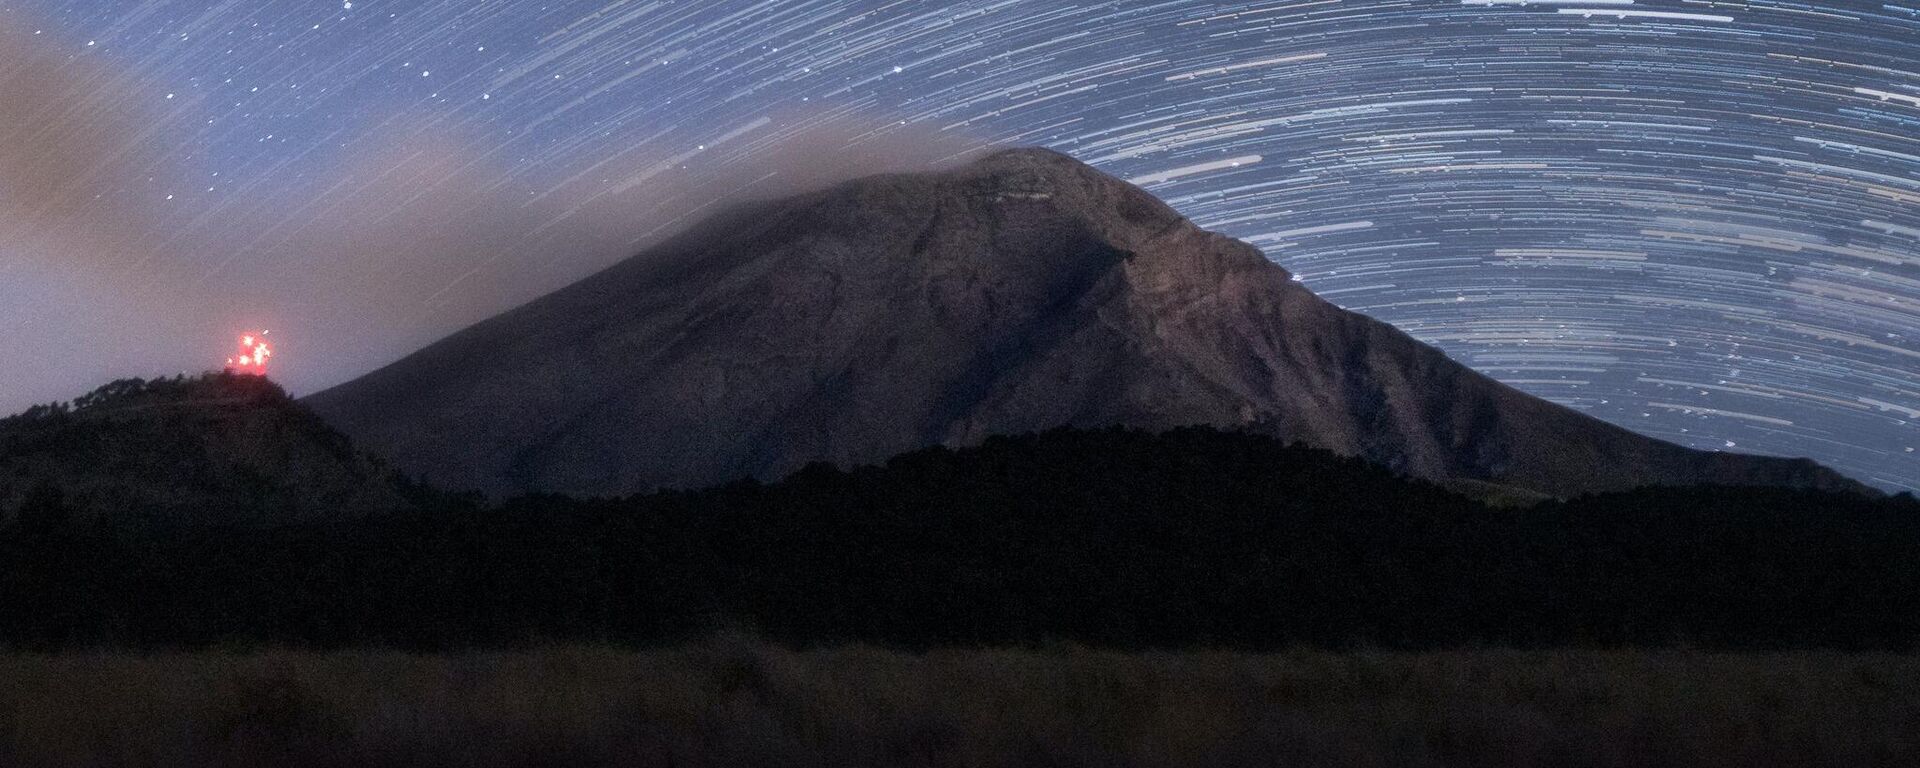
(1699, 220)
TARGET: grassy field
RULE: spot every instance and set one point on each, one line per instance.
(737, 702)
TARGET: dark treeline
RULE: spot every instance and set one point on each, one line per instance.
(221, 448)
(1113, 538)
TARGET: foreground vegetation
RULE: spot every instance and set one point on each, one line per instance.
(1109, 538)
(169, 523)
(735, 702)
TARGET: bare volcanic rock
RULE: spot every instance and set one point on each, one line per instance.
(221, 449)
(1021, 292)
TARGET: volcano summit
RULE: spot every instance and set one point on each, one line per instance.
(1020, 292)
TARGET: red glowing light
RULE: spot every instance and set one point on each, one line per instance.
(253, 356)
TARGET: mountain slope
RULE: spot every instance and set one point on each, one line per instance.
(1021, 292)
(219, 449)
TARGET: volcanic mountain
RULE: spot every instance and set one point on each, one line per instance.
(1020, 292)
(222, 449)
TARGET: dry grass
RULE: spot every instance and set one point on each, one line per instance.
(737, 702)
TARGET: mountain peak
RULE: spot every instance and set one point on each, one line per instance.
(1019, 292)
(1019, 192)
(1028, 158)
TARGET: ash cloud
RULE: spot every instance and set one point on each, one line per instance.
(123, 252)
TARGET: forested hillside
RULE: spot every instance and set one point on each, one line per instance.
(1114, 538)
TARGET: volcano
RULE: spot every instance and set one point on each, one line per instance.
(1022, 291)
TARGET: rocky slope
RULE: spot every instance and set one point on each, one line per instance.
(1020, 292)
(218, 449)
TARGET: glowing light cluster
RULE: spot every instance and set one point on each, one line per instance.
(253, 356)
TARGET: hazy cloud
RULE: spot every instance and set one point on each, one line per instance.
(122, 253)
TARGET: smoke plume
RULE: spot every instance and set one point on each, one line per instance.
(124, 251)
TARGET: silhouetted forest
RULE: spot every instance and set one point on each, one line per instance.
(218, 449)
(1113, 538)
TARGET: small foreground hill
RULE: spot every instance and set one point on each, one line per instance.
(220, 448)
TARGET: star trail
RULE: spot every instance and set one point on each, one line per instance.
(1699, 220)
